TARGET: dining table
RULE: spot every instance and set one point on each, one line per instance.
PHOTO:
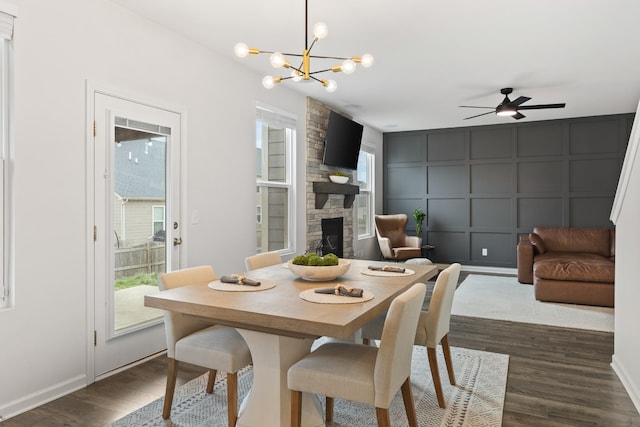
(280, 326)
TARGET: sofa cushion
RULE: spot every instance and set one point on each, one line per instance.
(537, 242)
(582, 267)
(574, 239)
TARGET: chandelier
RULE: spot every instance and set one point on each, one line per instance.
(303, 70)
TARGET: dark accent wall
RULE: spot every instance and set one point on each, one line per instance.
(483, 186)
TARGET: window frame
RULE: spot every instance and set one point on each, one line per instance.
(7, 299)
(269, 114)
(154, 220)
(367, 191)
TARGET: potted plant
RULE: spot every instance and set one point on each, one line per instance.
(418, 216)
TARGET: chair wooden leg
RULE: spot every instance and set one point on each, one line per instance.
(382, 416)
(211, 381)
(232, 398)
(409, 406)
(329, 409)
(447, 358)
(433, 364)
(296, 408)
(172, 374)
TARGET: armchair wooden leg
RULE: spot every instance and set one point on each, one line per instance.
(329, 409)
(172, 374)
(409, 406)
(296, 408)
(232, 398)
(382, 415)
(211, 381)
(433, 364)
(447, 358)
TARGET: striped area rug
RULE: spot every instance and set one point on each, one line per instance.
(476, 401)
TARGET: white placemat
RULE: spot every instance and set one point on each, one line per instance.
(233, 287)
(311, 296)
(380, 273)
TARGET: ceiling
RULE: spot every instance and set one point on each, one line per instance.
(433, 56)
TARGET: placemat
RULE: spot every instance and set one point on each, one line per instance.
(233, 287)
(311, 296)
(380, 273)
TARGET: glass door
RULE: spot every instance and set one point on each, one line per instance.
(137, 222)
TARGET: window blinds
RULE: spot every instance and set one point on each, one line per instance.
(275, 118)
(6, 25)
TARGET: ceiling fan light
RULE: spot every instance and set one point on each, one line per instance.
(505, 111)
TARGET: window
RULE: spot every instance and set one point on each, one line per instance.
(365, 205)
(275, 139)
(158, 219)
(6, 47)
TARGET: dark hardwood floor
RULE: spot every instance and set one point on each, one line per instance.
(557, 377)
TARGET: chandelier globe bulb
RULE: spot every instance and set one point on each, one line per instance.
(268, 82)
(348, 66)
(241, 50)
(277, 60)
(296, 76)
(367, 60)
(332, 86)
(320, 30)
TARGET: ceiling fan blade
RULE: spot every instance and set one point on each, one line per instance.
(483, 114)
(474, 106)
(541, 106)
(520, 100)
(518, 116)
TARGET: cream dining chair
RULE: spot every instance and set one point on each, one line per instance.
(363, 373)
(262, 260)
(190, 340)
(433, 326)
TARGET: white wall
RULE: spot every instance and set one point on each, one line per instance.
(58, 45)
(625, 214)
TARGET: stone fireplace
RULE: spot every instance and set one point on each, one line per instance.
(335, 205)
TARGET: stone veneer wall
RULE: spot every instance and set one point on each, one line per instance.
(317, 121)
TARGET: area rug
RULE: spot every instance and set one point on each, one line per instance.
(477, 399)
(504, 298)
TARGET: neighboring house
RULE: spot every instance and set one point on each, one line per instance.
(139, 193)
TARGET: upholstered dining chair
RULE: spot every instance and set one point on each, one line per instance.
(262, 260)
(363, 373)
(433, 326)
(393, 240)
(190, 340)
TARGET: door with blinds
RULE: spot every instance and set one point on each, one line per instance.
(137, 233)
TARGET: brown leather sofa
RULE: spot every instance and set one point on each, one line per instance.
(567, 264)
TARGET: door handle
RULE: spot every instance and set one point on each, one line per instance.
(177, 241)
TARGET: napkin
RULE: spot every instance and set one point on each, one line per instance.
(341, 290)
(389, 268)
(240, 280)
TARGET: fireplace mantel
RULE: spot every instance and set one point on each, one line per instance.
(323, 189)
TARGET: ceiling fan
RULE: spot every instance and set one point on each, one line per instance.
(512, 108)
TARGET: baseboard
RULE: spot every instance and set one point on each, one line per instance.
(41, 397)
(629, 386)
(484, 269)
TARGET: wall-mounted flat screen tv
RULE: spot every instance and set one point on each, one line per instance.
(342, 146)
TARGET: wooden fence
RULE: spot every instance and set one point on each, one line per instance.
(149, 258)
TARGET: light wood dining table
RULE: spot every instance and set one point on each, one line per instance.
(280, 327)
